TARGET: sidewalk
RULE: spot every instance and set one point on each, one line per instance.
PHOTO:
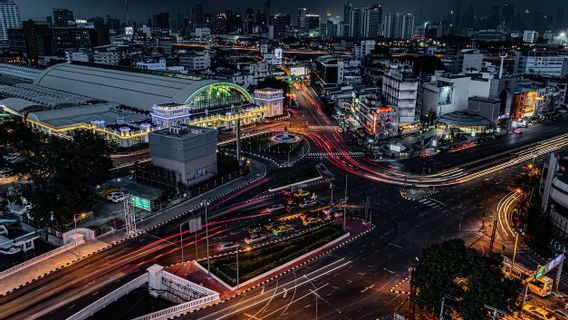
(64, 259)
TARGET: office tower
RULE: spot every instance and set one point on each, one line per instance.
(347, 7)
(197, 15)
(281, 23)
(302, 17)
(468, 17)
(398, 25)
(508, 15)
(454, 16)
(312, 21)
(375, 21)
(161, 20)
(559, 20)
(494, 16)
(61, 17)
(9, 19)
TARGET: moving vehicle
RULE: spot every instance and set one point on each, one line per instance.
(560, 315)
(308, 204)
(537, 312)
(273, 208)
(518, 131)
(285, 228)
(226, 246)
(311, 220)
(302, 193)
(254, 238)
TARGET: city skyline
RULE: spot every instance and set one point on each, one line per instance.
(141, 10)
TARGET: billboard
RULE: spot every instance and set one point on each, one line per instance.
(554, 262)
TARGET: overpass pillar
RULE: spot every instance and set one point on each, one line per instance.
(155, 274)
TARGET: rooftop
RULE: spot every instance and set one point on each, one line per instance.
(183, 131)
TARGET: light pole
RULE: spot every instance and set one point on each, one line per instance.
(237, 253)
(205, 203)
(516, 231)
(331, 186)
(345, 203)
(82, 215)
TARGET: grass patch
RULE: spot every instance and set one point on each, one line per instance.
(261, 260)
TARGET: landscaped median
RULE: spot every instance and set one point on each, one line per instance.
(259, 262)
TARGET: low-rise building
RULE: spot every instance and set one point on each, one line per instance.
(273, 99)
(400, 89)
(189, 151)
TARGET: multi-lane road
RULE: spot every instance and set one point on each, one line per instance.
(352, 282)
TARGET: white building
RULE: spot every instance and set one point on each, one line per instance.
(195, 60)
(9, 19)
(274, 98)
(468, 60)
(400, 89)
(365, 22)
(110, 55)
(530, 36)
(159, 64)
(445, 94)
(366, 48)
(546, 63)
(80, 56)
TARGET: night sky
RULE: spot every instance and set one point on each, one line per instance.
(143, 9)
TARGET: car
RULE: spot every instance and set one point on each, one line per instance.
(116, 197)
(518, 131)
(302, 194)
(308, 204)
(560, 315)
(273, 208)
(311, 220)
(254, 238)
(285, 228)
(537, 312)
(226, 246)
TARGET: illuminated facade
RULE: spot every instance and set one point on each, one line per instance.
(272, 99)
(378, 119)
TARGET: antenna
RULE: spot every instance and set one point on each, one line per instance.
(127, 17)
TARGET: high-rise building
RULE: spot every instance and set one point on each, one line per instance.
(280, 23)
(312, 21)
(375, 21)
(61, 17)
(454, 16)
(9, 19)
(302, 18)
(197, 15)
(559, 20)
(468, 18)
(494, 17)
(347, 7)
(508, 15)
(161, 20)
(398, 25)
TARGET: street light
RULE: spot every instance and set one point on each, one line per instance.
(516, 231)
(82, 215)
(237, 253)
(205, 203)
(181, 238)
(331, 186)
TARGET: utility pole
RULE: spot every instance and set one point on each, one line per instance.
(412, 304)
(331, 186)
(237, 251)
(238, 140)
(490, 251)
(367, 209)
(345, 203)
(559, 270)
(206, 203)
(441, 317)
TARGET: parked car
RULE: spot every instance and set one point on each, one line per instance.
(116, 197)
(285, 228)
(311, 220)
(537, 312)
(254, 238)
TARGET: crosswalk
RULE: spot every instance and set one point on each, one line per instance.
(323, 128)
(355, 154)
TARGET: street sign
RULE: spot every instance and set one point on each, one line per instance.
(541, 271)
(554, 262)
(141, 203)
(194, 225)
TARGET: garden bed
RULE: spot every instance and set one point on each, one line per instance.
(261, 260)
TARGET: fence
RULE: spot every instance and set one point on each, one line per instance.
(39, 258)
(181, 281)
(110, 298)
(180, 309)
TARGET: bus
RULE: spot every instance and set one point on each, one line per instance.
(541, 286)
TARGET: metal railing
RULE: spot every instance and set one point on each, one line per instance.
(39, 258)
(109, 298)
(180, 309)
(183, 282)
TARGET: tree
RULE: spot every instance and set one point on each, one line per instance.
(62, 172)
(450, 269)
(274, 83)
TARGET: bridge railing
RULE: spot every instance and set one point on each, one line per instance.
(40, 258)
(180, 309)
(110, 298)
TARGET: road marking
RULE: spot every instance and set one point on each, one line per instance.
(251, 316)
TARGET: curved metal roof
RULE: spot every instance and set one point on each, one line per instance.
(135, 89)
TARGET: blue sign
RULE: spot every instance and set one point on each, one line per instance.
(554, 262)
